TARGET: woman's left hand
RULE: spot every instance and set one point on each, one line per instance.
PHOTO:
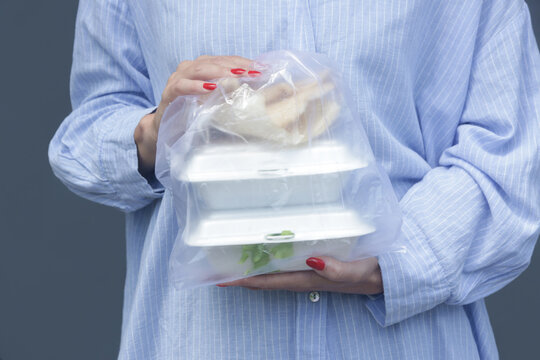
(357, 277)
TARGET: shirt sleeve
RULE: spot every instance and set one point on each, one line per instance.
(471, 224)
(93, 152)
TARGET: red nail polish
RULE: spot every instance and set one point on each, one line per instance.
(209, 86)
(238, 71)
(315, 263)
(254, 73)
(220, 285)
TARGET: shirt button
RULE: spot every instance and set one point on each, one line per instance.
(314, 296)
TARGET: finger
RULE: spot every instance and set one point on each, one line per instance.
(242, 61)
(228, 61)
(183, 86)
(206, 71)
(340, 271)
(319, 284)
(296, 281)
(293, 281)
(183, 65)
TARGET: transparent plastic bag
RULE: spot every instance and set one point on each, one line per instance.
(267, 171)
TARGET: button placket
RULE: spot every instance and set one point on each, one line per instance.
(310, 319)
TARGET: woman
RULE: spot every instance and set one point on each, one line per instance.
(448, 93)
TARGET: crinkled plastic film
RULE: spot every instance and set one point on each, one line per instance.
(267, 171)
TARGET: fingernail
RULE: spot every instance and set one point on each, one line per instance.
(238, 71)
(221, 285)
(209, 86)
(315, 263)
(254, 73)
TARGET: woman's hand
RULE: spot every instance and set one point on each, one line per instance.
(190, 78)
(357, 277)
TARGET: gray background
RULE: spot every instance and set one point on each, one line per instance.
(62, 260)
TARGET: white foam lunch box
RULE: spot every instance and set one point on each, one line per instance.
(250, 176)
(324, 230)
(259, 226)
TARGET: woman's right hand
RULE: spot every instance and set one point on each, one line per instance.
(190, 78)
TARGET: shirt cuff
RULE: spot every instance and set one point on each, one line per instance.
(413, 280)
(118, 157)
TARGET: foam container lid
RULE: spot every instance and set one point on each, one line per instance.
(286, 225)
(251, 162)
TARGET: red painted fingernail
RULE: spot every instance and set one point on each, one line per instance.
(209, 86)
(220, 285)
(238, 71)
(315, 263)
(254, 73)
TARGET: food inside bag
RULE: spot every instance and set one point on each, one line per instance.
(267, 171)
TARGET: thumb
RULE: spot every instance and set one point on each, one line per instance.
(340, 271)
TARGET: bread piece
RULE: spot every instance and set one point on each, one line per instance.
(280, 113)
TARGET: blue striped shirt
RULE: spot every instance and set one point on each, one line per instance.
(449, 95)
